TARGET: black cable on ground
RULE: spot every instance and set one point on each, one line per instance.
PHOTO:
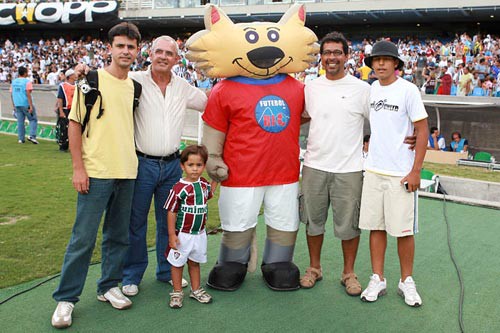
(459, 272)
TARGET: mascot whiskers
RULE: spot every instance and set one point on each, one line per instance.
(251, 130)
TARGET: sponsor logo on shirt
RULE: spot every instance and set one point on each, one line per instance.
(194, 209)
(382, 105)
(272, 113)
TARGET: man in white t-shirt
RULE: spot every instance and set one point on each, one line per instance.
(337, 104)
(389, 199)
(53, 77)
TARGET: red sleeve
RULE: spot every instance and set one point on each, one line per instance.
(172, 203)
(215, 115)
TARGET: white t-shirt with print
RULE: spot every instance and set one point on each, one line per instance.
(393, 110)
(337, 109)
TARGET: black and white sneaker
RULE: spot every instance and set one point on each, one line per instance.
(32, 140)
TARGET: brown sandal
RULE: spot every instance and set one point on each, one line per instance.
(309, 279)
(351, 284)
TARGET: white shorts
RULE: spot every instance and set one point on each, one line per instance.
(239, 207)
(386, 205)
(192, 247)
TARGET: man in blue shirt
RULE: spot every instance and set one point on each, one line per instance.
(21, 89)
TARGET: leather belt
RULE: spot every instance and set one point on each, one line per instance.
(167, 158)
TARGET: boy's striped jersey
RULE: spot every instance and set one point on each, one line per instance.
(189, 201)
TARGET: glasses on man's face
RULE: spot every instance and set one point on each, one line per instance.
(335, 53)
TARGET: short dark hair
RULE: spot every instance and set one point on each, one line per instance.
(22, 71)
(127, 29)
(194, 150)
(334, 37)
(456, 133)
(433, 129)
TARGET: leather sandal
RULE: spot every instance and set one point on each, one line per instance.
(309, 279)
(351, 284)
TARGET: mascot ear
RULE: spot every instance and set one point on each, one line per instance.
(295, 15)
(215, 18)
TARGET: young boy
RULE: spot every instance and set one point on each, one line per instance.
(187, 215)
(389, 197)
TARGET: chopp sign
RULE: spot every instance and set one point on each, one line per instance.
(56, 12)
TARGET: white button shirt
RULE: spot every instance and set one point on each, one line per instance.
(159, 119)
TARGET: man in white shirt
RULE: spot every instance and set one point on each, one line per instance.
(159, 120)
(53, 77)
(389, 200)
(337, 104)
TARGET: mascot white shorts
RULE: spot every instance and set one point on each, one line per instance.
(240, 206)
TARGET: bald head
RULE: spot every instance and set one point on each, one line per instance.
(168, 39)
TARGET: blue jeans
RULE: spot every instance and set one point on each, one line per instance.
(21, 114)
(113, 196)
(156, 178)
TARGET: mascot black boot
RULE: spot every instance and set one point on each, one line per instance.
(278, 270)
(231, 268)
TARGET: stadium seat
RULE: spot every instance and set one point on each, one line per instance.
(478, 92)
(429, 182)
(482, 156)
(453, 91)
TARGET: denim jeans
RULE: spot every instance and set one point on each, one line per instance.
(156, 178)
(21, 114)
(113, 196)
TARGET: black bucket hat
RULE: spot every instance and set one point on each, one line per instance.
(384, 48)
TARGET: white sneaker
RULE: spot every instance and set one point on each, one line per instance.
(32, 140)
(376, 288)
(116, 298)
(184, 283)
(130, 289)
(176, 298)
(408, 290)
(201, 295)
(62, 315)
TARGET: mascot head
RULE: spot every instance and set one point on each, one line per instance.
(259, 49)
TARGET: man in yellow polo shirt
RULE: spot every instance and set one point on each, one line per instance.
(104, 172)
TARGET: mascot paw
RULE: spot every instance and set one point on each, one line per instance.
(227, 276)
(281, 276)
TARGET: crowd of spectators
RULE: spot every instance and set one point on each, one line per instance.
(464, 65)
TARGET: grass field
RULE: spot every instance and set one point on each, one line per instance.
(37, 207)
(37, 210)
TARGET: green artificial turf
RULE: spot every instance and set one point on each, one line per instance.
(325, 308)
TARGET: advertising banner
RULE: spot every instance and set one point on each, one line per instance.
(58, 12)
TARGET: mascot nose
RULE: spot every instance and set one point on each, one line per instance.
(265, 57)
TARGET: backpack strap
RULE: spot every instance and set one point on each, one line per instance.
(91, 97)
(137, 94)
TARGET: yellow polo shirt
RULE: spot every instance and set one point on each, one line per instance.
(108, 148)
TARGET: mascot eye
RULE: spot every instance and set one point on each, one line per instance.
(273, 35)
(252, 37)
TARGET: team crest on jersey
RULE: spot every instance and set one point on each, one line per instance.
(272, 113)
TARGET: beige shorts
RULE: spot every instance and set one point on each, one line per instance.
(341, 191)
(386, 205)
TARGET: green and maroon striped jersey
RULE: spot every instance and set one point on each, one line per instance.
(189, 201)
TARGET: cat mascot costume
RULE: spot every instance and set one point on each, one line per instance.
(251, 130)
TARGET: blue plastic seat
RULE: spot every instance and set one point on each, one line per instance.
(478, 92)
